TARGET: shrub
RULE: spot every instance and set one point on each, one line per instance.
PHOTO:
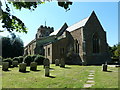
(39, 59)
(0, 60)
(28, 59)
(16, 59)
(8, 60)
(21, 59)
(33, 57)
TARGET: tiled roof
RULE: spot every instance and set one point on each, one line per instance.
(73, 27)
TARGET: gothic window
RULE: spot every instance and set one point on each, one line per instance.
(95, 40)
(62, 51)
(76, 46)
(48, 51)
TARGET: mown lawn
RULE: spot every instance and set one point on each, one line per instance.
(73, 76)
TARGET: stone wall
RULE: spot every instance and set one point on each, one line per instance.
(93, 26)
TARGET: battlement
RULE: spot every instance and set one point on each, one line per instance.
(44, 31)
(45, 27)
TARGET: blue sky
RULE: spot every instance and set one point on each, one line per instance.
(56, 16)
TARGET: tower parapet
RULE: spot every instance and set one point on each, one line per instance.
(44, 31)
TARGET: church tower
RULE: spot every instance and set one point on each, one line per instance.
(44, 31)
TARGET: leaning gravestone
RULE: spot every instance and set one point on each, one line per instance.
(33, 66)
(22, 67)
(15, 63)
(5, 66)
(46, 62)
(62, 62)
(104, 67)
(57, 62)
(47, 71)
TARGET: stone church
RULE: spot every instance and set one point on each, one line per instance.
(81, 43)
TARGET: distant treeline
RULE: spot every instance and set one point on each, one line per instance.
(12, 46)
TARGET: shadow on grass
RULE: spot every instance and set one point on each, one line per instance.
(51, 68)
(107, 71)
(51, 76)
(6, 70)
(25, 72)
(37, 71)
(67, 67)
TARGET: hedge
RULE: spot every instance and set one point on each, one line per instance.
(39, 59)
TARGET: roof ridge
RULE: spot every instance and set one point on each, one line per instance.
(79, 21)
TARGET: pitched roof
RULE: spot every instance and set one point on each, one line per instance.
(63, 28)
(77, 25)
(60, 30)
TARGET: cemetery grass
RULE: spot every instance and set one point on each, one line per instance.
(73, 76)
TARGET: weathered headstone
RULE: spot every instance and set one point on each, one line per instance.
(46, 62)
(5, 66)
(15, 63)
(22, 67)
(47, 71)
(33, 66)
(57, 62)
(62, 62)
(104, 67)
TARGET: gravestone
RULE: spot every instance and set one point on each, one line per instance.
(22, 67)
(5, 66)
(33, 66)
(15, 63)
(47, 71)
(57, 62)
(46, 62)
(62, 62)
(104, 67)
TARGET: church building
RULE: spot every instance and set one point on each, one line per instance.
(81, 43)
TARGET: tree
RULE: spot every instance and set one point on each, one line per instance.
(12, 47)
(115, 51)
(12, 23)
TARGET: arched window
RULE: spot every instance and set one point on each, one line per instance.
(95, 40)
(76, 43)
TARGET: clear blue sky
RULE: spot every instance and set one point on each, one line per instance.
(56, 16)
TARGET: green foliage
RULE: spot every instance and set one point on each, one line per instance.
(13, 23)
(39, 59)
(12, 47)
(16, 59)
(65, 4)
(115, 51)
(21, 59)
(33, 57)
(28, 59)
(8, 60)
(26, 5)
